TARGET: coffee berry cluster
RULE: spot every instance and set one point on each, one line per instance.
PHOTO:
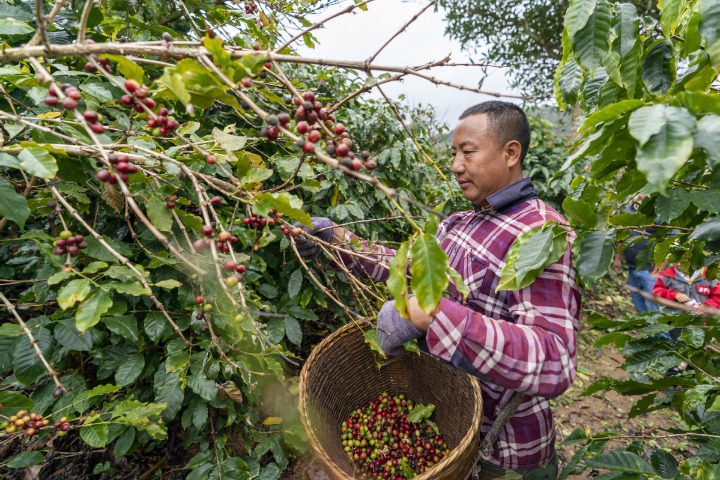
(121, 165)
(251, 7)
(224, 240)
(257, 221)
(69, 244)
(382, 443)
(71, 96)
(30, 422)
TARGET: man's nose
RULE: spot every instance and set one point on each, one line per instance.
(457, 166)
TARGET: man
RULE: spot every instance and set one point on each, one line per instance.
(642, 278)
(522, 341)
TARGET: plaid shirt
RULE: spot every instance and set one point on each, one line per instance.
(511, 340)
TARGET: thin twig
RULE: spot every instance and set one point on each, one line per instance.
(33, 342)
(402, 29)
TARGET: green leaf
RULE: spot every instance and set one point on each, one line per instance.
(284, 203)
(626, 26)
(673, 204)
(397, 279)
(707, 137)
(428, 265)
(659, 67)
(670, 15)
(706, 200)
(126, 327)
(95, 435)
(458, 282)
(173, 81)
(10, 330)
(591, 42)
(664, 464)
(622, 461)
(38, 162)
(89, 312)
(129, 370)
(127, 67)
(372, 339)
(13, 206)
(255, 175)
(710, 30)
(168, 390)
(10, 26)
(25, 459)
(577, 15)
(13, 402)
(99, 252)
(26, 364)
(83, 400)
(124, 443)
(595, 255)
(156, 326)
(695, 337)
(580, 213)
(666, 151)
(295, 283)
(708, 230)
(231, 143)
(168, 284)
(420, 412)
(293, 330)
(610, 113)
(68, 336)
(74, 291)
(530, 254)
(569, 80)
(7, 160)
(214, 45)
(646, 122)
(159, 214)
(202, 386)
(129, 288)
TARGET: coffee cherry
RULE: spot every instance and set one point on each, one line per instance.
(309, 147)
(356, 164)
(339, 129)
(365, 155)
(131, 85)
(207, 230)
(232, 281)
(170, 204)
(371, 164)
(58, 392)
(163, 112)
(69, 103)
(90, 68)
(90, 116)
(272, 120)
(283, 118)
(97, 128)
(199, 299)
(224, 236)
(216, 200)
(51, 204)
(74, 93)
(210, 160)
(308, 96)
(240, 269)
(51, 101)
(342, 149)
(314, 136)
(127, 100)
(141, 93)
(149, 102)
(246, 82)
(229, 265)
(200, 245)
(302, 127)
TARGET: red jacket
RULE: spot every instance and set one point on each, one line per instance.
(672, 281)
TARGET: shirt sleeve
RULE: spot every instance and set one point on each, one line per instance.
(374, 265)
(714, 300)
(661, 290)
(536, 354)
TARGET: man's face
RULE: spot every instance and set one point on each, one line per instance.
(481, 165)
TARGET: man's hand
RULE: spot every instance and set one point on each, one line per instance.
(617, 264)
(681, 298)
(393, 331)
(322, 228)
(418, 317)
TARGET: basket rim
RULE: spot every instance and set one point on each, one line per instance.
(472, 436)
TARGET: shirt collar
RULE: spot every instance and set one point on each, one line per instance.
(508, 196)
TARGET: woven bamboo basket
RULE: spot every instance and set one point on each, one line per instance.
(341, 375)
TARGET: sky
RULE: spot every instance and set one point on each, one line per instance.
(357, 36)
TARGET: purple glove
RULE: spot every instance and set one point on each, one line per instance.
(322, 228)
(393, 330)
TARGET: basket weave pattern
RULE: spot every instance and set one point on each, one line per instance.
(341, 375)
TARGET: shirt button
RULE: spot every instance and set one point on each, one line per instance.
(472, 258)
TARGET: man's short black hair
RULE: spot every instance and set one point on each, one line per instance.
(507, 122)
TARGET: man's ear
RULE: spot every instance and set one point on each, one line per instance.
(512, 153)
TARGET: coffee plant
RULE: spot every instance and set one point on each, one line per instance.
(154, 159)
(651, 119)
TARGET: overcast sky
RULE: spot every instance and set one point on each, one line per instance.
(356, 36)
